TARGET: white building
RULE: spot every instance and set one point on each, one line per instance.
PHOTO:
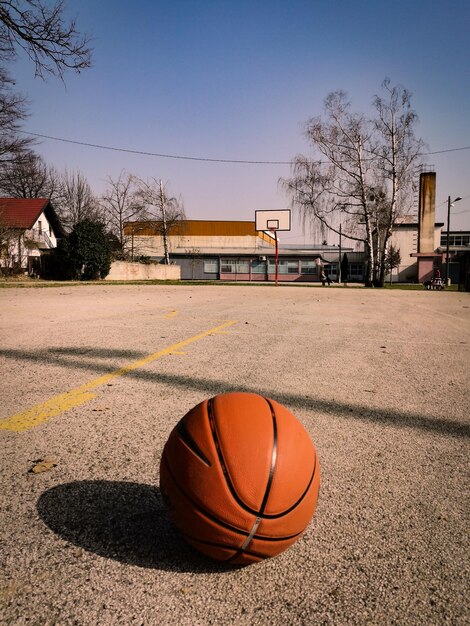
(29, 229)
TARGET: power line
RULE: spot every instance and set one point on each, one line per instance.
(443, 151)
(155, 154)
(192, 158)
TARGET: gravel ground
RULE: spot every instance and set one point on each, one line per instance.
(379, 379)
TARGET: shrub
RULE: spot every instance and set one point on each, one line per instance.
(84, 254)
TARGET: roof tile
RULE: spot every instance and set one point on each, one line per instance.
(21, 212)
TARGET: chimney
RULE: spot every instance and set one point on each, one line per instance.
(427, 212)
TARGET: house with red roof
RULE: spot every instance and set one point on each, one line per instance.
(29, 230)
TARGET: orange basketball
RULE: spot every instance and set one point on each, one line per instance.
(240, 477)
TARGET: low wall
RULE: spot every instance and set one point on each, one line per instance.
(122, 270)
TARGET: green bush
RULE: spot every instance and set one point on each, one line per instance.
(84, 254)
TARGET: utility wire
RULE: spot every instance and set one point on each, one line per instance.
(155, 154)
(204, 159)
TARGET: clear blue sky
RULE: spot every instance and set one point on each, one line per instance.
(238, 79)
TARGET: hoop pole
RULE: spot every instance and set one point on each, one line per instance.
(277, 257)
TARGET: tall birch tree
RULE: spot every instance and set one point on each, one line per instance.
(121, 204)
(361, 174)
(161, 210)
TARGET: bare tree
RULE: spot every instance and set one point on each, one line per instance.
(28, 176)
(8, 239)
(362, 173)
(121, 204)
(76, 201)
(13, 111)
(54, 45)
(39, 29)
(162, 212)
(335, 191)
(397, 151)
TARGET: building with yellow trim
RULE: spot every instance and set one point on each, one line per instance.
(222, 250)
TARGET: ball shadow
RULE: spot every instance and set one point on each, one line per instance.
(123, 521)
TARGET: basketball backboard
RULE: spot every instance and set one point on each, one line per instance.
(272, 220)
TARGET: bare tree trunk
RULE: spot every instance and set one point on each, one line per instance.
(164, 226)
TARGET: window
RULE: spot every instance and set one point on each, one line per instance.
(308, 266)
(356, 271)
(211, 266)
(228, 266)
(39, 227)
(285, 266)
(281, 266)
(331, 270)
(292, 266)
(235, 266)
(258, 267)
(456, 240)
(460, 240)
(243, 266)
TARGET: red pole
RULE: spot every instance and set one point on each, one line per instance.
(277, 256)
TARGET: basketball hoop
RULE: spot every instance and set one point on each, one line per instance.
(273, 221)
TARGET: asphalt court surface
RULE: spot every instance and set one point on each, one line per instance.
(96, 377)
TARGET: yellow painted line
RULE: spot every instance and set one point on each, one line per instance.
(59, 404)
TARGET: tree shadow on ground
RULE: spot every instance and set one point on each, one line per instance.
(124, 521)
(74, 358)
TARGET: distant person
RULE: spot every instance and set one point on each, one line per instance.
(325, 278)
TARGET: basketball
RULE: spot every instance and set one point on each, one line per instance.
(240, 476)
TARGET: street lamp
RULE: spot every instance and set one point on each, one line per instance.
(449, 204)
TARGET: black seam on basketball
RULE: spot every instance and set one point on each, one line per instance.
(301, 497)
(273, 461)
(274, 539)
(248, 509)
(210, 413)
(212, 517)
(257, 537)
(197, 506)
(215, 437)
(219, 521)
(189, 441)
(222, 545)
(250, 537)
(296, 504)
